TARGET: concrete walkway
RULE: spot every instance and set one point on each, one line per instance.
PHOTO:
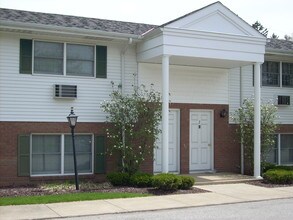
(219, 194)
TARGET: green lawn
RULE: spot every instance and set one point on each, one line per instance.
(23, 200)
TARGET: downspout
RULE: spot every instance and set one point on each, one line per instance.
(122, 60)
(241, 103)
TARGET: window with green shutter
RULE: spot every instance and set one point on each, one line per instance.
(100, 159)
(101, 61)
(23, 154)
(25, 56)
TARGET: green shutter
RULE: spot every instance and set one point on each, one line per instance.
(100, 159)
(23, 155)
(101, 61)
(25, 56)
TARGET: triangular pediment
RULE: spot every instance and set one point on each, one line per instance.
(215, 18)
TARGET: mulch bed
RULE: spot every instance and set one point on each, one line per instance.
(262, 183)
(39, 190)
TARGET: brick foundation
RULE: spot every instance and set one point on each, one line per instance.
(226, 146)
(8, 150)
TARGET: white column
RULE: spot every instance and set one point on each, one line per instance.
(165, 113)
(257, 118)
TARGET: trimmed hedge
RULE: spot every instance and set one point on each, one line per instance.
(166, 181)
(187, 182)
(119, 179)
(141, 180)
(279, 176)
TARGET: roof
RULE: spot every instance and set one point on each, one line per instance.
(190, 13)
(108, 25)
(74, 21)
(279, 45)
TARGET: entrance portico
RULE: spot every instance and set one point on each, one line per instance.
(212, 37)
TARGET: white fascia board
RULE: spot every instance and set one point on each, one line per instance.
(214, 36)
(51, 29)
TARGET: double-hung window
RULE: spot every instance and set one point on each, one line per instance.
(48, 58)
(282, 151)
(277, 74)
(80, 60)
(270, 73)
(66, 59)
(53, 154)
(287, 74)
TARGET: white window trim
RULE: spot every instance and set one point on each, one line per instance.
(64, 59)
(62, 154)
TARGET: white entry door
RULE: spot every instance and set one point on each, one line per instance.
(173, 145)
(201, 148)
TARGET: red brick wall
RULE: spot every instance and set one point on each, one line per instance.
(226, 147)
(9, 132)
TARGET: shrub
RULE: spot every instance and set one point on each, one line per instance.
(265, 166)
(166, 181)
(118, 178)
(141, 180)
(187, 182)
(284, 167)
(278, 176)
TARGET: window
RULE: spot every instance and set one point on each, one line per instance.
(277, 74)
(282, 152)
(83, 148)
(287, 74)
(53, 58)
(53, 154)
(270, 73)
(46, 154)
(48, 58)
(79, 60)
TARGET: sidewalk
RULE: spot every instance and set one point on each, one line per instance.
(219, 194)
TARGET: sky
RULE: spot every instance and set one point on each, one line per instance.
(275, 15)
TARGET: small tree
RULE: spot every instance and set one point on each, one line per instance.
(260, 28)
(134, 125)
(244, 116)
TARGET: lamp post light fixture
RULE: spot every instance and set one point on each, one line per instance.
(72, 120)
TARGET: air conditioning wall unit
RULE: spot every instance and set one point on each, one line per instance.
(283, 100)
(65, 91)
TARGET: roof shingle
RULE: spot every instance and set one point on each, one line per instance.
(281, 45)
(74, 21)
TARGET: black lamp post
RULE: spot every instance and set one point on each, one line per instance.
(72, 119)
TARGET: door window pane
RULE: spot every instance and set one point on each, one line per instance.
(83, 147)
(46, 154)
(286, 149)
(48, 58)
(80, 60)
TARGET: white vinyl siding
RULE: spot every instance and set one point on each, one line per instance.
(189, 84)
(25, 97)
